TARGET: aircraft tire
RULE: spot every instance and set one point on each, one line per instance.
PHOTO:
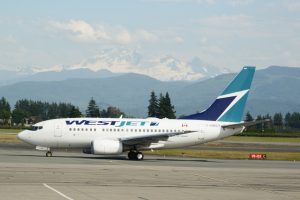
(139, 156)
(131, 155)
(49, 154)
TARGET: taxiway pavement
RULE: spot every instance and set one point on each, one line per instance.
(28, 174)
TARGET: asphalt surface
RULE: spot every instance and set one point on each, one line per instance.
(221, 145)
(28, 174)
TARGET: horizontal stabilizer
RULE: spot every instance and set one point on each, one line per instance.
(245, 124)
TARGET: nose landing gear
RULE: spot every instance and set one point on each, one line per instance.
(135, 155)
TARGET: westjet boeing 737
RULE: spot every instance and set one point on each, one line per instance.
(113, 136)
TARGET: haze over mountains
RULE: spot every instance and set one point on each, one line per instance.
(275, 89)
(112, 62)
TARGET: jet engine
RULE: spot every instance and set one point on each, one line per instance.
(106, 147)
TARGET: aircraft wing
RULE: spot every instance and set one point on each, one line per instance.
(245, 124)
(148, 139)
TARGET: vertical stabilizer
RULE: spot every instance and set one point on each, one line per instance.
(230, 105)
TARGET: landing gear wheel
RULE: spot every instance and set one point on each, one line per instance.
(135, 155)
(49, 154)
(131, 155)
(139, 156)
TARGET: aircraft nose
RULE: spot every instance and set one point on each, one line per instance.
(22, 136)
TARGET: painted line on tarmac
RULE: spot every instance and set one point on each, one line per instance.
(58, 192)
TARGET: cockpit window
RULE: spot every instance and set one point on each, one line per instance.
(35, 128)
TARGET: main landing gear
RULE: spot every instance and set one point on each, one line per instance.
(135, 155)
(49, 154)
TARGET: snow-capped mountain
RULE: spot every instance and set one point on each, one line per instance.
(112, 62)
(166, 68)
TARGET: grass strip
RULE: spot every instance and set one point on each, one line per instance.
(292, 156)
(261, 139)
(9, 138)
(10, 131)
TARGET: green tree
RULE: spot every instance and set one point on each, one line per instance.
(112, 112)
(295, 120)
(166, 109)
(153, 108)
(5, 112)
(249, 117)
(74, 112)
(93, 109)
(19, 116)
(278, 120)
(162, 107)
(170, 112)
(287, 119)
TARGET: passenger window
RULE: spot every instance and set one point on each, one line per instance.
(78, 129)
(103, 129)
(74, 129)
(70, 129)
(86, 129)
(95, 129)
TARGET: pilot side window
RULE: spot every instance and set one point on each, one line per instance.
(35, 128)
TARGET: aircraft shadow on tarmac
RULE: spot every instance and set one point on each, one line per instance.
(147, 159)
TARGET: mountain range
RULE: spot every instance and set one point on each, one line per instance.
(275, 89)
(111, 62)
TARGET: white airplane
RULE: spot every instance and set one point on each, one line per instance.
(113, 136)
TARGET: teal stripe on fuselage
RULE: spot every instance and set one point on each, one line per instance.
(241, 82)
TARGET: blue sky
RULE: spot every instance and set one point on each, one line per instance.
(229, 34)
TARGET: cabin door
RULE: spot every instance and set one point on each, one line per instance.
(57, 131)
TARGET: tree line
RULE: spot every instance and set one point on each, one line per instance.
(28, 111)
(278, 122)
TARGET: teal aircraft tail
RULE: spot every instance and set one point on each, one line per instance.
(230, 105)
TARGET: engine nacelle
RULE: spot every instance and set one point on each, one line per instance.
(106, 147)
